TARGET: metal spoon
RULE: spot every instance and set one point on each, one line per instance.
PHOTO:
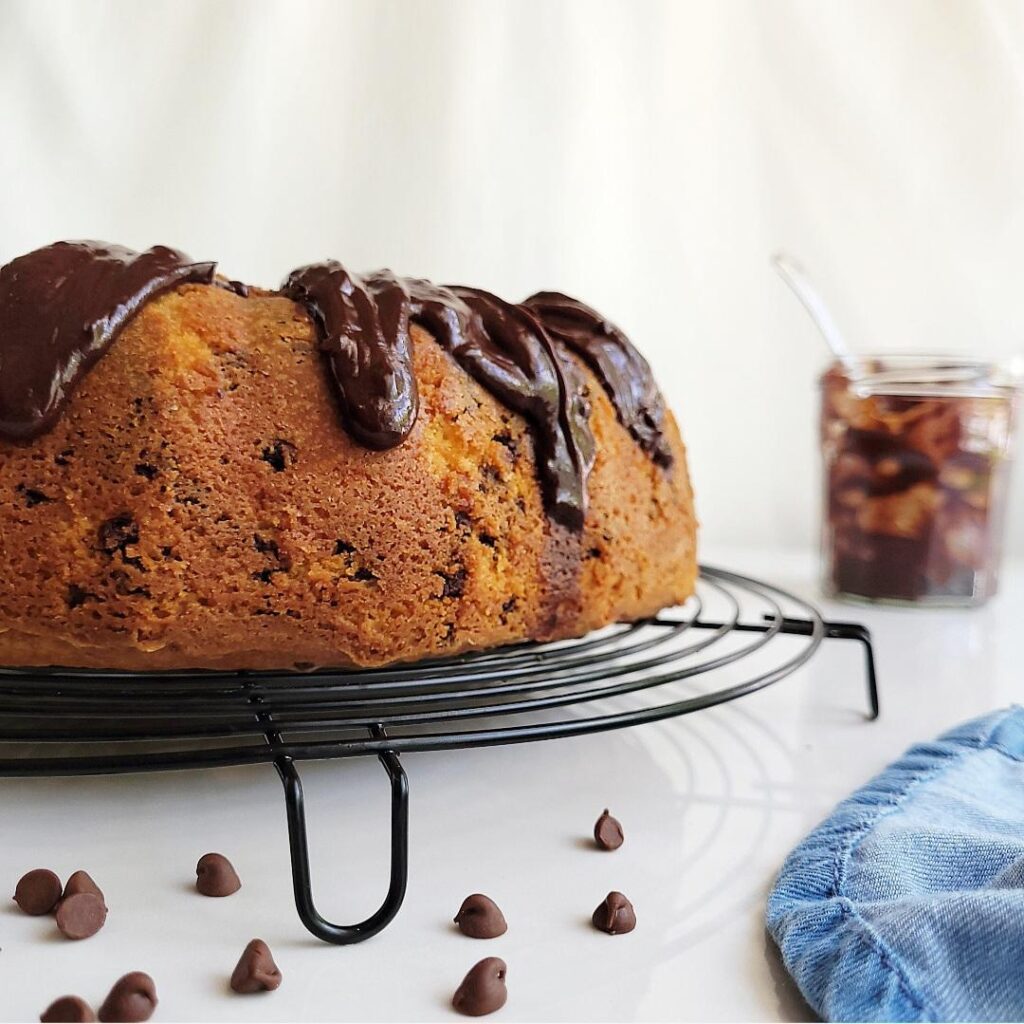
(947, 371)
(794, 275)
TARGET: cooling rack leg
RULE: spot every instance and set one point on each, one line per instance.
(840, 631)
(805, 627)
(340, 934)
(833, 630)
(855, 631)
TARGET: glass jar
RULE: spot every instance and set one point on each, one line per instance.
(916, 466)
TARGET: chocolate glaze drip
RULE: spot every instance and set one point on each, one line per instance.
(240, 288)
(61, 307)
(624, 373)
(364, 332)
(506, 350)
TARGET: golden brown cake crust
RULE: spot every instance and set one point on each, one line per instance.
(200, 505)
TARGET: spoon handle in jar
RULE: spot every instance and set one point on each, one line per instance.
(794, 275)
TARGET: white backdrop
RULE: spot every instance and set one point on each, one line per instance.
(646, 156)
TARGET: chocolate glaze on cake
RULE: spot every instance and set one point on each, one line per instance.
(511, 355)
(624, 373)
(61, 308)
(364, 331)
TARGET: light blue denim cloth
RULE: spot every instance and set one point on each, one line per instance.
(907, 903)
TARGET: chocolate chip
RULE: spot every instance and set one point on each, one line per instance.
(37, 892)
(454, 582)
(479, 917)
(77, 595)
(256, 970)
(608, 832)
(506, 439)
(117, 533)
(615, 915)
(279, 456)
(68, 1010)
(33, 497)
(264, 546)
(81, 881)
(132, 999)
(482, 990)
(215, 876)
(81, 915)
(342, 547)
(271, 549)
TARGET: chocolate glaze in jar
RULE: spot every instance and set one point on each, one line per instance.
(916, 462)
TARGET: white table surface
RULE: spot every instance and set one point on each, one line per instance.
(710, 803)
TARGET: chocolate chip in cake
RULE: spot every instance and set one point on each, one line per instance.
(454, 582)
(117, 533)
(264, 546)
(608, 832)
(270, 548)
(508, 441)
(77, 596)
(279, 455)
(32, 496)
(37, 892)
(615, 915)
(482, 990)
(132, 999)
(68, 1010)
(256, 970)
(479, 917)
(81, 915)
(215, 876)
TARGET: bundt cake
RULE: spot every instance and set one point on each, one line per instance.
(352, 470)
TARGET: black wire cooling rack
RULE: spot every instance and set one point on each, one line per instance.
(725, 643)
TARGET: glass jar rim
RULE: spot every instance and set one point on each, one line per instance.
(928, 376)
